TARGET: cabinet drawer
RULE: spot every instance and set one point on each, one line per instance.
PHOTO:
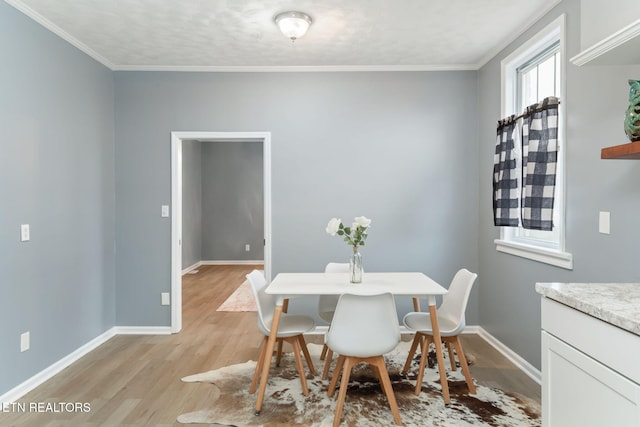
(579, 391)
(612, 346)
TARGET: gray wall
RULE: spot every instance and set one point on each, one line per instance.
(595, 105)
(400, 148)
(413, 151)
(56, 174)
(191, 203)
(232, 201)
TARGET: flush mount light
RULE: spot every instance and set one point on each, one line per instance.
(293, 24)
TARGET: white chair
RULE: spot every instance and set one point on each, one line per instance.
(326, 308)
(363, 329)
(290, 329)
(451, 322)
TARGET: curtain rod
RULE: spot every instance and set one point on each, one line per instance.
(541, 104)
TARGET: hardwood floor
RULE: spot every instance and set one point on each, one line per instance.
(135, 380)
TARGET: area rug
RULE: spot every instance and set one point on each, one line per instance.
(241, 299)
(365, 404)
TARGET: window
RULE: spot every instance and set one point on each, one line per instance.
(530, 74)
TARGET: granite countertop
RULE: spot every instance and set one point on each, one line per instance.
(615, 303)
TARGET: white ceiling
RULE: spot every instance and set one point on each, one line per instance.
(236, 35)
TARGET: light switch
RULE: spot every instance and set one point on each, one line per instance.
(604, 225)
(24, 233)
(165, 211)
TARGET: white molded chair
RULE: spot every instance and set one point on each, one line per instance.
(451, 322)
(326, 308)
(364, 328)
(290, 329)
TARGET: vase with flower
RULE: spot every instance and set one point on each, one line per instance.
(355, 237)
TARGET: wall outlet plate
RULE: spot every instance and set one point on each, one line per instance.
(25, 233)
(165, 299)
(25, 341)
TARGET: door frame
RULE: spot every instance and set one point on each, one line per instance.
(176, 206)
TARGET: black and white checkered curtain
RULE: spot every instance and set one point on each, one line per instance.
(505, 174)
(539, 160)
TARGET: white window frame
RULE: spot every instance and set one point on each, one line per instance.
(508, 242)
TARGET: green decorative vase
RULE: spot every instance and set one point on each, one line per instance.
(632, 117)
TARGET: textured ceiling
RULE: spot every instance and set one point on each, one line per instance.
(241, 35)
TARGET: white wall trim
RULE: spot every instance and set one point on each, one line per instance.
(233, 262)
(191, 268)
(526, 367)
(615, 40)
(143, 330)
(38, 379)
(60, 32)
(47, 373)
(176, 206)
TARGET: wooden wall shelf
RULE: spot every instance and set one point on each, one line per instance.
(629, 151)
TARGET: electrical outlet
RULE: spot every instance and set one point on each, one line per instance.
(604, 224)
(247, 248)
(165, 300)
(25, 342)
(24, 233)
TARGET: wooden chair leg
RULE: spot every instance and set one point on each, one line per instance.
(387, 388)
(344, 384)
(423, 361)
(303, 378)
(412, 352)
(336, 375)
(323, 354)
(327, 364)
(464, 365)
(307, 356)
(279, 353)
(452, 360)
(258, 371)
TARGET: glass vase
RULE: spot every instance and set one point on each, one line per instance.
(355, 266)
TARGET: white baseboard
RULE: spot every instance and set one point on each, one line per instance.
(233, 262)
(526, 367)
(221, 262)
(191, 267)
(44, 375)
(143, 330)
(33, 382)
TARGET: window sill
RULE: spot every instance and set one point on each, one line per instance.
(536, 253)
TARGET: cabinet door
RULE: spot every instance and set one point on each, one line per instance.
(579, 391)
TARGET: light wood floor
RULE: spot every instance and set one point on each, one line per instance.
(135, 380)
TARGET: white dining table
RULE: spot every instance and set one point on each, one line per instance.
(415, 285)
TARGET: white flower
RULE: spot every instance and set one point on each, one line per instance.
(362, 221)
(332, 227)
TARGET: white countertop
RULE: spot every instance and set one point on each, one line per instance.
(615, 303)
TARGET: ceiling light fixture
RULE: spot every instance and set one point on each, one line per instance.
(293, 24)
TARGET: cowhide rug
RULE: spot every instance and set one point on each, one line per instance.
(365, 404)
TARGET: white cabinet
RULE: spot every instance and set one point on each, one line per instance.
(590, 375)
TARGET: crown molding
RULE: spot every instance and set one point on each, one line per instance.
(60, 32)
(610, 43)
(294, 68)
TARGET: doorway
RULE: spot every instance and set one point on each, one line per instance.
(177, 139)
